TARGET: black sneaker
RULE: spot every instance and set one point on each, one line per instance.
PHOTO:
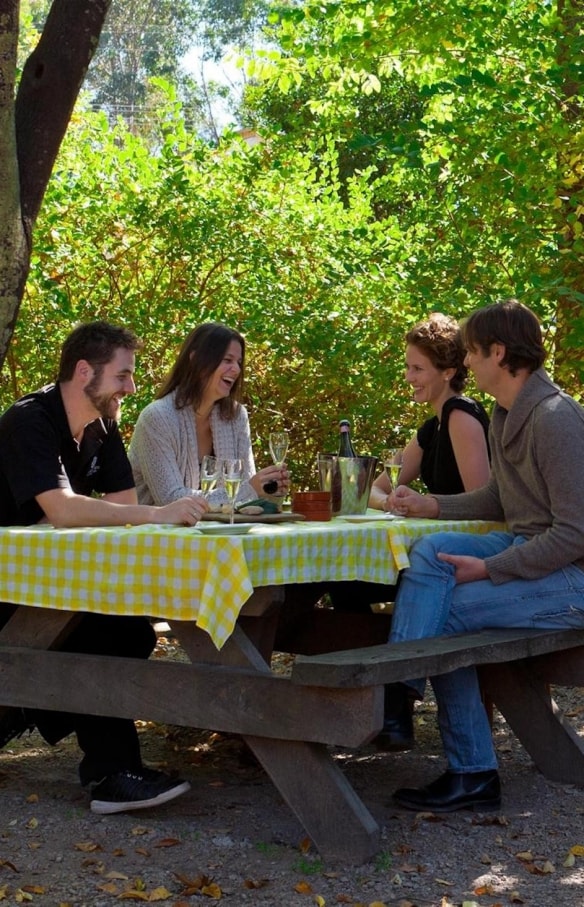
(128, 790)
(13, 723)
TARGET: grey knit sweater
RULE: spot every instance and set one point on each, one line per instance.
(165, 458)
(536, 484)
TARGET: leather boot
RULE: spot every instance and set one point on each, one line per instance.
(398, 725)
(452, 791)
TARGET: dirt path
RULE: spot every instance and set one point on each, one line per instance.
(232, 838)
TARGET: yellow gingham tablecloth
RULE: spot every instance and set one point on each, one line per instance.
(179, 573)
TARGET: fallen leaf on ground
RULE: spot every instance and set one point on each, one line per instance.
(87, 846)
(160, 894)
(255, 883)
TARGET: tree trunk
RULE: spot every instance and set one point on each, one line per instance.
(32, 129)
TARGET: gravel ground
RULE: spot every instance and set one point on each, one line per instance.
(232, 838)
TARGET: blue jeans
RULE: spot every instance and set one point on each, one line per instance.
(430, 603)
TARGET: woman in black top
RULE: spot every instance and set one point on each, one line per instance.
(449, 452)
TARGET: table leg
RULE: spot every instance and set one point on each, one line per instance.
(522, 696)
(305, 774)
(317, 792)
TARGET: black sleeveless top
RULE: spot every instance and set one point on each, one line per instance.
(439, 471)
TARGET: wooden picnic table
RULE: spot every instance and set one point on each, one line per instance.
(222, 596)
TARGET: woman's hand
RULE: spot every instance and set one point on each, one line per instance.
(270, 474)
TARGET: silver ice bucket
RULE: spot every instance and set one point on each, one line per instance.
(349, 480)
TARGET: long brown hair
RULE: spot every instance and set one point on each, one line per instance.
(199, 356)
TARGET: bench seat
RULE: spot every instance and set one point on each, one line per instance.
(425, 657)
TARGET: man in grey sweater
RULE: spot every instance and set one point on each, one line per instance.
(530, 575)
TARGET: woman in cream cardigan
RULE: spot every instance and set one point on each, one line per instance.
(196, 413)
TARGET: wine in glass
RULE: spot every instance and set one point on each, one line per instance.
(278, 446)
(232, 476)
(210, 469)
(278, 441)
(392, 463)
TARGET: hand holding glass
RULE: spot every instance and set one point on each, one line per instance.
(210, 469)
(232, 476)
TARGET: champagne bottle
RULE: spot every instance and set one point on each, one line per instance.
(346, 449)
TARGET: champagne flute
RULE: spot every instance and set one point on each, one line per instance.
(209, 476)
(392, 459)
(278, 446)
(278, 441)
(232, 476)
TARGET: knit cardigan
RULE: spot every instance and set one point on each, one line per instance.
(165, 457)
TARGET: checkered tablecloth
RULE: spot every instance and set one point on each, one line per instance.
(179, 573)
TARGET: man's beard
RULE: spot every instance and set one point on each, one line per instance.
(104, 404)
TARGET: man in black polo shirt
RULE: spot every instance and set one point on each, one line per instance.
(62, 461)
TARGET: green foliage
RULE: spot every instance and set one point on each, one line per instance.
(487, 181)
(411, 163)
(256, 238)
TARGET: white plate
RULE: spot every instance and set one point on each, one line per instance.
(224, 528)
(365, 517)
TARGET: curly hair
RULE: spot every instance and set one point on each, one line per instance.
(440, 339)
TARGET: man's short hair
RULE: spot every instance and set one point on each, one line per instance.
(96, 342)
(514, 326)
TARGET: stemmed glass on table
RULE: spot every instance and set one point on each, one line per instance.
(210, 472)
(232, 476)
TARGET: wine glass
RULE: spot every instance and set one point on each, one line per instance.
(278, 441)
(278, 446)
(392, 459)
(210, 470)
(232, 476)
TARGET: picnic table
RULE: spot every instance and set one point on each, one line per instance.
(222, 596)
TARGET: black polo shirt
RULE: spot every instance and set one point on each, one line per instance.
(38, 454)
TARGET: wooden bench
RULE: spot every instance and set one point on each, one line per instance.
(330, 699)
(516, 668)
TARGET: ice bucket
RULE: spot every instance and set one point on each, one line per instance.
(349, 480)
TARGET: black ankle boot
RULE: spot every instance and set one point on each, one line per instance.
(398, 725)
